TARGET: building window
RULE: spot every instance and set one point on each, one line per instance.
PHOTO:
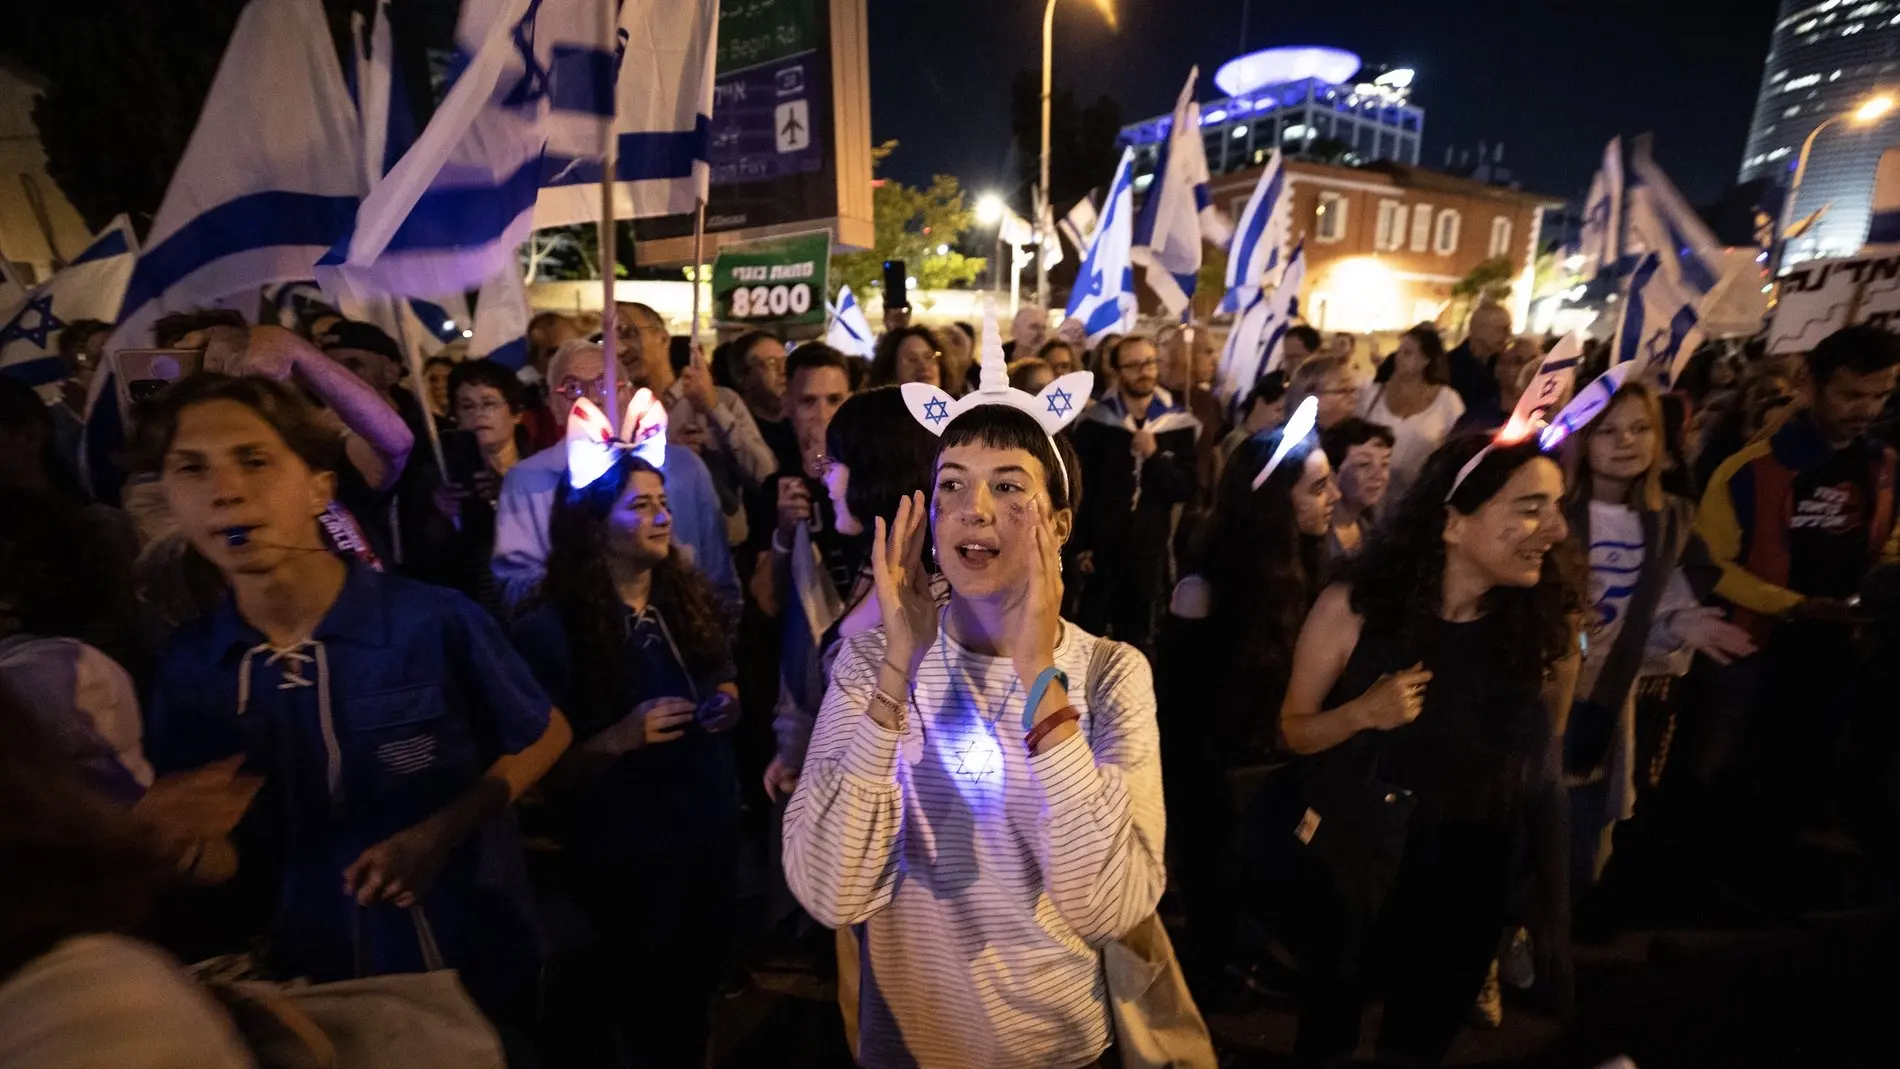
(1449, 222)
(1391, 233)
(1500, 236)
(1329, 224)
(1421, 228)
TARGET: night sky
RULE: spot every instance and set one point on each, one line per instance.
(1552, 79)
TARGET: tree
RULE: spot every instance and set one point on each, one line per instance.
(1082, 152)
(123, 83)
(911, 225)
(1489, 281)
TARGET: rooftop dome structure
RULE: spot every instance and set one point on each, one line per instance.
(1278, 66)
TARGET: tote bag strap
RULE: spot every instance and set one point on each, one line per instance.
(425, 941)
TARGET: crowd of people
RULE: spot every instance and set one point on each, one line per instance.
(647, 673)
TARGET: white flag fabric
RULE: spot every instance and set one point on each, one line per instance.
(1103, 299)
(1660, 220)
(12, 290)
(1254, 259)
(1079, 224)
(850, 332)
(452, 211)
(271, 175)
(1254, 347)
(1548, 389)
(661, 107)
(92, 286)
(501, 320)
(1601, 243)
(1177, 214)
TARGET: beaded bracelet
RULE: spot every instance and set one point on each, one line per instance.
(878, 697)
(1049, 723)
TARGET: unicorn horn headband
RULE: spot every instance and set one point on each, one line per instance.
(593, 447)
(1293, 434)
(1053, 409)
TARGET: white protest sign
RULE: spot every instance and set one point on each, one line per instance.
(1819, 297)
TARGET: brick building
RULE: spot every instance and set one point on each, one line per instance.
(1386, 243)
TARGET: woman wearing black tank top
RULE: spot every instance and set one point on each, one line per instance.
(1426, 672)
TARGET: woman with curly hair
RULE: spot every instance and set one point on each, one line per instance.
(1417, 692)
(908, 355)
(645, 807)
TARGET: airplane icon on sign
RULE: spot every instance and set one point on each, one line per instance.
(792, 123)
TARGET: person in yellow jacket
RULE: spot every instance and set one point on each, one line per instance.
(1796, 520)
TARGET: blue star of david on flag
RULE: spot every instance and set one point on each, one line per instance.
(534, 79)
(1059, 402)
(935, 410)
(38, 335)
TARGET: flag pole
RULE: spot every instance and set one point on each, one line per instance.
(699, 237)
(609, 13)
(419, 387)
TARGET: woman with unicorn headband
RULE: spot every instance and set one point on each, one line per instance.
(982, 793)
(627, 636)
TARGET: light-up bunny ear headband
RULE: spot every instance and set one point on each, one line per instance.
(1053, 409)
(1295, 432)
(593, 447)
(1554, 376)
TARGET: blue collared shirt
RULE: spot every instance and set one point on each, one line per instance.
(527, 502)
(401, 699)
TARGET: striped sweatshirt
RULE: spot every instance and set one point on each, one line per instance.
(985, 881)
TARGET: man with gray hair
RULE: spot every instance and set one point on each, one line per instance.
(1472, 375)
(577, 370)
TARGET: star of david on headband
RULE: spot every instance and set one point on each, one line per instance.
(1052, 409)
(593, 447)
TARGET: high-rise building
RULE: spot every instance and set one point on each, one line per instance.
(1296, 99)
(1826, 59)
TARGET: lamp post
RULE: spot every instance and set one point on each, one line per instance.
(1040, 202)
(1870, 110)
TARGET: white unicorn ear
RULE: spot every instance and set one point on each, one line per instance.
(645, 427)
(1062, 400)
(1295, 432)
(992, 369)
(590, 444)
(929, 405)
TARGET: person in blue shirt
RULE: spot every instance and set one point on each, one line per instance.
(628, 637)
(391, 722)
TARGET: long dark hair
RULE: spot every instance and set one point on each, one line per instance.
(581, 590)
(75, 863)
(1264, 573)
(1398, 580)
(884, 364)
(1437, 361)
(889, 453)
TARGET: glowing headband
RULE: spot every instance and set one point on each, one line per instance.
(1293, 434)
(593, 447)
(1053, 409)
(1584, 407)
(1554, 377)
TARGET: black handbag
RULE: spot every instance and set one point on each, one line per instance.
(1355, 826)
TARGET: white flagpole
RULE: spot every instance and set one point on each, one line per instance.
(609, 13)
(419, 386)
(699, 237)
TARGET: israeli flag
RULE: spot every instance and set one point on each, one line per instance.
(1260, 238)
(1079, 224)
(12, 290)
(660, 107)
(92, 286)
(271, 175)
(850, 332)
(452, 211)
(1601, 242)
(1661, 220)
(1177, 214)
(1254, 345)
(501, 320)
(1103, 299)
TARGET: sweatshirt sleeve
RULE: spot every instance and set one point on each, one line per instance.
(1101, 846)
(739, 434)
(1720, 527)
(842, 827)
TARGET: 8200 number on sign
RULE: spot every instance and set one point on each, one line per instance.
(771, 302)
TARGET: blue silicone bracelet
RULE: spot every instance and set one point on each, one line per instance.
(1036, 691)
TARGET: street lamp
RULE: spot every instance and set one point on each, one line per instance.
(1042, 207)
(1871, 110)
(990, 210)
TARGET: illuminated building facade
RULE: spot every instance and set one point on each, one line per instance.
(1294, 98)
(1386, 244)
(1826, 58)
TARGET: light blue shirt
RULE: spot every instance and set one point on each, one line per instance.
(527, 501)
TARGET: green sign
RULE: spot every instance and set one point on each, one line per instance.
(777, 282)
(760, 31)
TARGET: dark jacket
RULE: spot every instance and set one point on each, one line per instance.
(1128, 505)
(1472, 376)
